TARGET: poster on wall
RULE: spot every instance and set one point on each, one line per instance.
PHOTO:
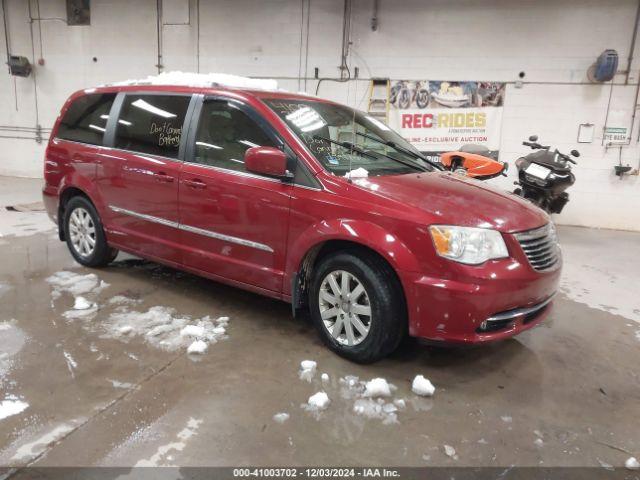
(441, 116)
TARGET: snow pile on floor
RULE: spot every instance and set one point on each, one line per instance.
(163, 328)
(449, 451)
(632, 464)
(379, 409)
(75, 284)
(317, 402)
(82, 303)
(204, 80)
(422, 386)
(378, 387)
(371, 398)
(160, 326)
(281, 417)
(11, 405)
(307, 370)
(81, 308)
(198, 347)
(122, 300)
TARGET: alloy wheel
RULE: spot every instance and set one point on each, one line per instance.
(82, 232)
(345, 308)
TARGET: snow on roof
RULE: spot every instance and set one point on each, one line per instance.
(203, 80)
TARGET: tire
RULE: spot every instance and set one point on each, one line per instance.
(84, 234)
(423, 98)
(386, 323)
(404, 99)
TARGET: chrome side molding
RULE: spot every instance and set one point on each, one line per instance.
(199, 231)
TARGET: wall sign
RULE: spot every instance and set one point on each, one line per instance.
(615, 134)
(440, 116)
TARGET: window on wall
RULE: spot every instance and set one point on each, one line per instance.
(224, 134)
(152, 124)
(86, 119)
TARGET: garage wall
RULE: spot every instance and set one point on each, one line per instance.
(553, 42)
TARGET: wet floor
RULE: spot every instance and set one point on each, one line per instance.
(91, 392)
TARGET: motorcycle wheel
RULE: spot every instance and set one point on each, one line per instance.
(423, 98)
(404, 99)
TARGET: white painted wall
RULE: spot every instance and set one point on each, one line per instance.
(554, 42)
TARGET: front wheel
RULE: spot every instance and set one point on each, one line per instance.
(84, 234)
(357, 306)
(423, 98)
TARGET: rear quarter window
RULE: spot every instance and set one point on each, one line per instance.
(152, 124)
(86, 119)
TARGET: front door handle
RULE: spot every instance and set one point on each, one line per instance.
(163, 177)
(195, 183)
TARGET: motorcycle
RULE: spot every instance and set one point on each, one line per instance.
(473, 161)
(544, 176)
(405, 95)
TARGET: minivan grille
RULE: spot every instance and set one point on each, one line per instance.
(540, 246)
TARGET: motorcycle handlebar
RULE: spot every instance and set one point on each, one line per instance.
(535, 145)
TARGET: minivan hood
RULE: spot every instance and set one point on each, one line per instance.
(454, 200)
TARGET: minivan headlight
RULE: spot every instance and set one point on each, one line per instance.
(468, 245)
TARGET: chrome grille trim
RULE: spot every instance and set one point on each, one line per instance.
(540, 245)
(520, 312)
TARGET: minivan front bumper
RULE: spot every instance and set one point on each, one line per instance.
(479, 304)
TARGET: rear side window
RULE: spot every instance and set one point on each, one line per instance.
(86, 119)
(152, 124)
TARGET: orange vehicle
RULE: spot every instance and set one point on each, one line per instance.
(473, 161)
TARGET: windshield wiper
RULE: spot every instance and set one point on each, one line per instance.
(406, 151)
(366, 153)
(347, 145)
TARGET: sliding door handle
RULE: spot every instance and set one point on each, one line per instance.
(195, 183)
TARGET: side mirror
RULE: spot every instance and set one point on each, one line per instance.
(266, 161)
(575, 153)
(533, 138)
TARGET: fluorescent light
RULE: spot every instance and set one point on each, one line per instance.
(95, 127)
(248, 143)
(151, 109)
(105, 117)
(125, 122)
(306, 119)
(209, 145)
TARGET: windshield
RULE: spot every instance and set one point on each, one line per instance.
(345, 140)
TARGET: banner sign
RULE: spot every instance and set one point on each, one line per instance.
(439, 116)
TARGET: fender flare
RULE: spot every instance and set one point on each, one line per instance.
(77, 182)
(365, 233)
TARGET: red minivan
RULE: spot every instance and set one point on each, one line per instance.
(303, 200)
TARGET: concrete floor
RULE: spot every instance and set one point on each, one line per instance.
(563, 394)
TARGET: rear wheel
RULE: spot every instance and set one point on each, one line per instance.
(357, 306)
(84, 234)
